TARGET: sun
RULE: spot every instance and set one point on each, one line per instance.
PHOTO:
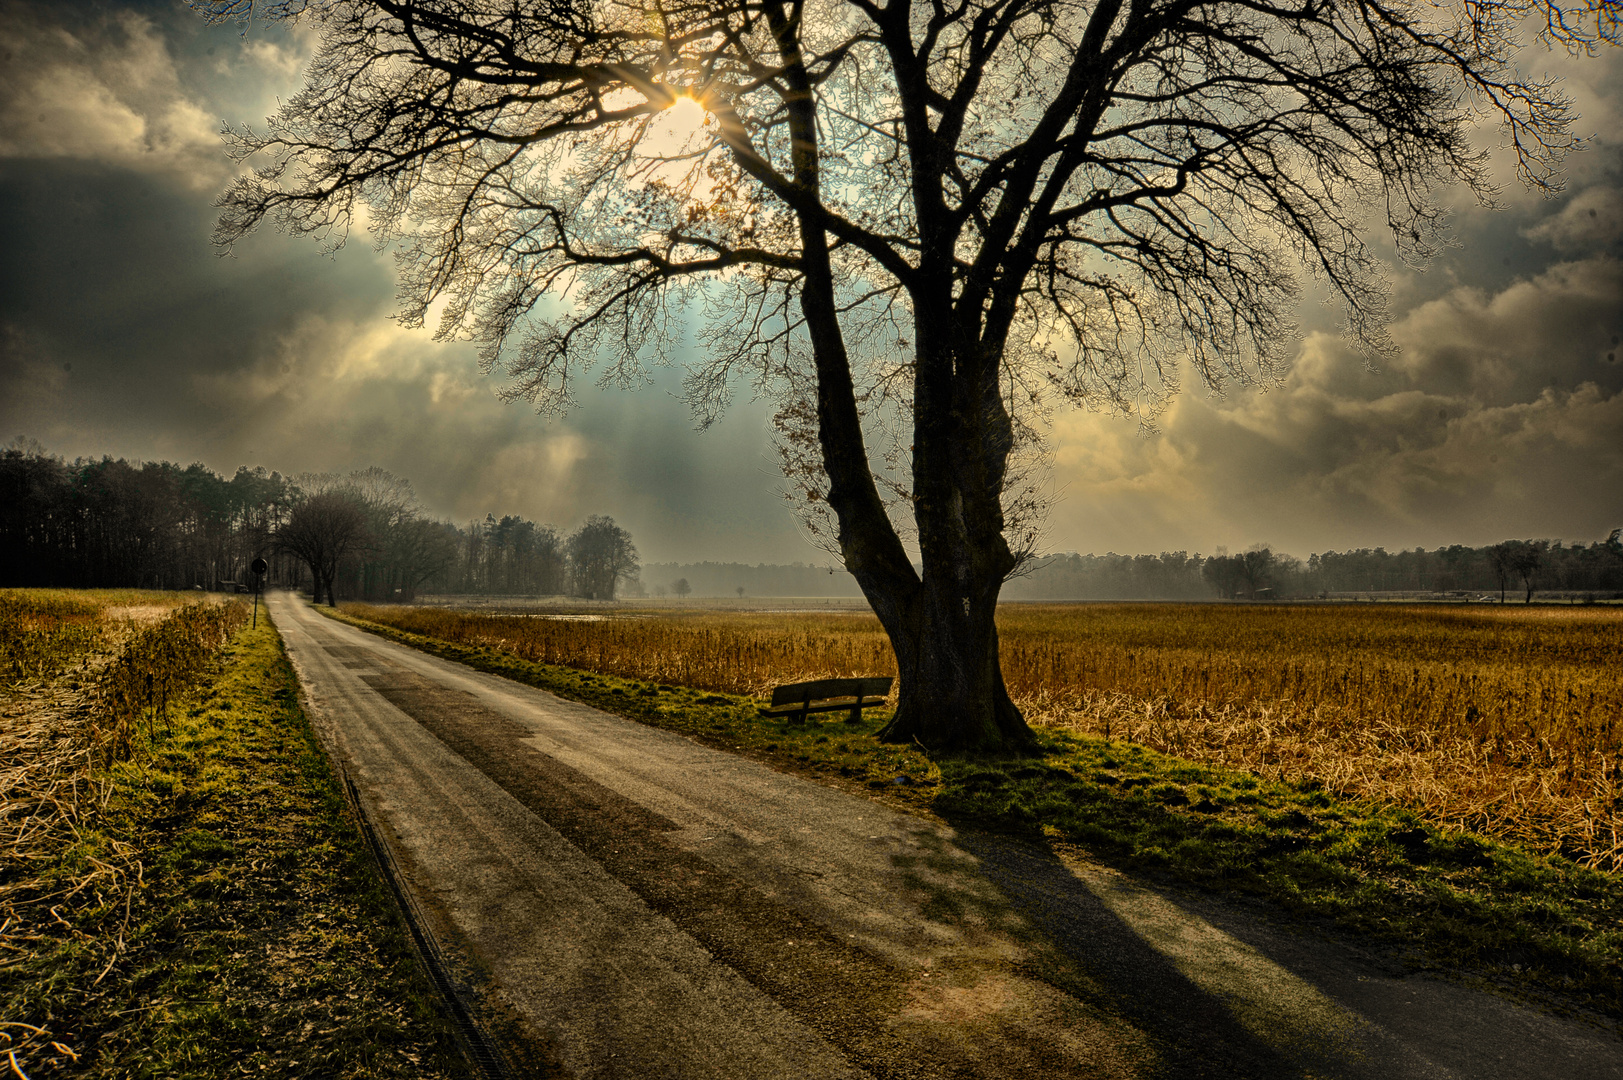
(677, 129)
(686, 116)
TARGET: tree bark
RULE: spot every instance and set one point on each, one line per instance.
(950, 690)
(942, 625)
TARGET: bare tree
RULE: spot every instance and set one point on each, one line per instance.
(920, 224)
(419, 549)
(1256, 566)
(323, 530)
(1526, 560)
(1502, 561)
(600, 556)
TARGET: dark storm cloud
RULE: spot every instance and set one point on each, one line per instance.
(122, 333)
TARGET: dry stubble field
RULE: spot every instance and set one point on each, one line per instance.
(1507, 722)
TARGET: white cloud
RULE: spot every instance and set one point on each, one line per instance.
(1503, 416)
(1590, 220)
(275, 58)
(108, 93)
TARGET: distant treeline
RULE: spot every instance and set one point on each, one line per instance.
(512, 556)
(1513, 566)
(763, 579)
(1508, 566)
(1171, 575)
(112, 523)
(1178, 575)
(151, 525)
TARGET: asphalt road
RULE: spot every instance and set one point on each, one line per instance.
(627, 903)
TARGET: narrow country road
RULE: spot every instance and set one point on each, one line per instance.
(629, 903)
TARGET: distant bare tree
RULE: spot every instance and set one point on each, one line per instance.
(1502, 561)
(681, 588)
(323, 530)
(1256, 567)
(920, 226)
(419, 549)
(1526, 560)
(600, 556)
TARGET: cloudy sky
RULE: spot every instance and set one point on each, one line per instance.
(122, 333)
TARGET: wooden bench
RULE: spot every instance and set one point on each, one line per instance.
(795, 700)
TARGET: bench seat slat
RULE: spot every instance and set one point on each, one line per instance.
(823, 689)
(827, 705)
(795, 700)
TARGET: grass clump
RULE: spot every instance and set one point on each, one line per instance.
(1448, 899)
(250, 934)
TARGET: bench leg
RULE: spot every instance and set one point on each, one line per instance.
(856, 714)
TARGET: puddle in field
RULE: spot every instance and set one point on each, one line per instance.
(556, 618)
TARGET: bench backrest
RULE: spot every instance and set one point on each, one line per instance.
(872, 686)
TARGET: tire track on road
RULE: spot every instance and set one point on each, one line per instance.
(837, 989)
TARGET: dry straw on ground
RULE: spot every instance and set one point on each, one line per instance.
(81, 677)
(1503, 721)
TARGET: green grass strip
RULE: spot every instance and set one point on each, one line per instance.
(1448, 901)
(261, 940)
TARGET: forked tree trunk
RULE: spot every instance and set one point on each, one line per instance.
(950, 691)
(950, 687)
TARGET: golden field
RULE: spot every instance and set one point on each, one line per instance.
(1506, 721)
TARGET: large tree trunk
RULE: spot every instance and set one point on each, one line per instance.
(950, 692)
(941, 625)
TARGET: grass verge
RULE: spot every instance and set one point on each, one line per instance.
(260, 940)
(1448, 900)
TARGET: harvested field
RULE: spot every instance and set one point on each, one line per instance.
(1506, 721)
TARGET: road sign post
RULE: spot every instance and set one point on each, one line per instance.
(258, 566)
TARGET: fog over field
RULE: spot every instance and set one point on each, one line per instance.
(122, 333)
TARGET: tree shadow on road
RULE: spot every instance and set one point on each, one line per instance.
(1084, 948)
